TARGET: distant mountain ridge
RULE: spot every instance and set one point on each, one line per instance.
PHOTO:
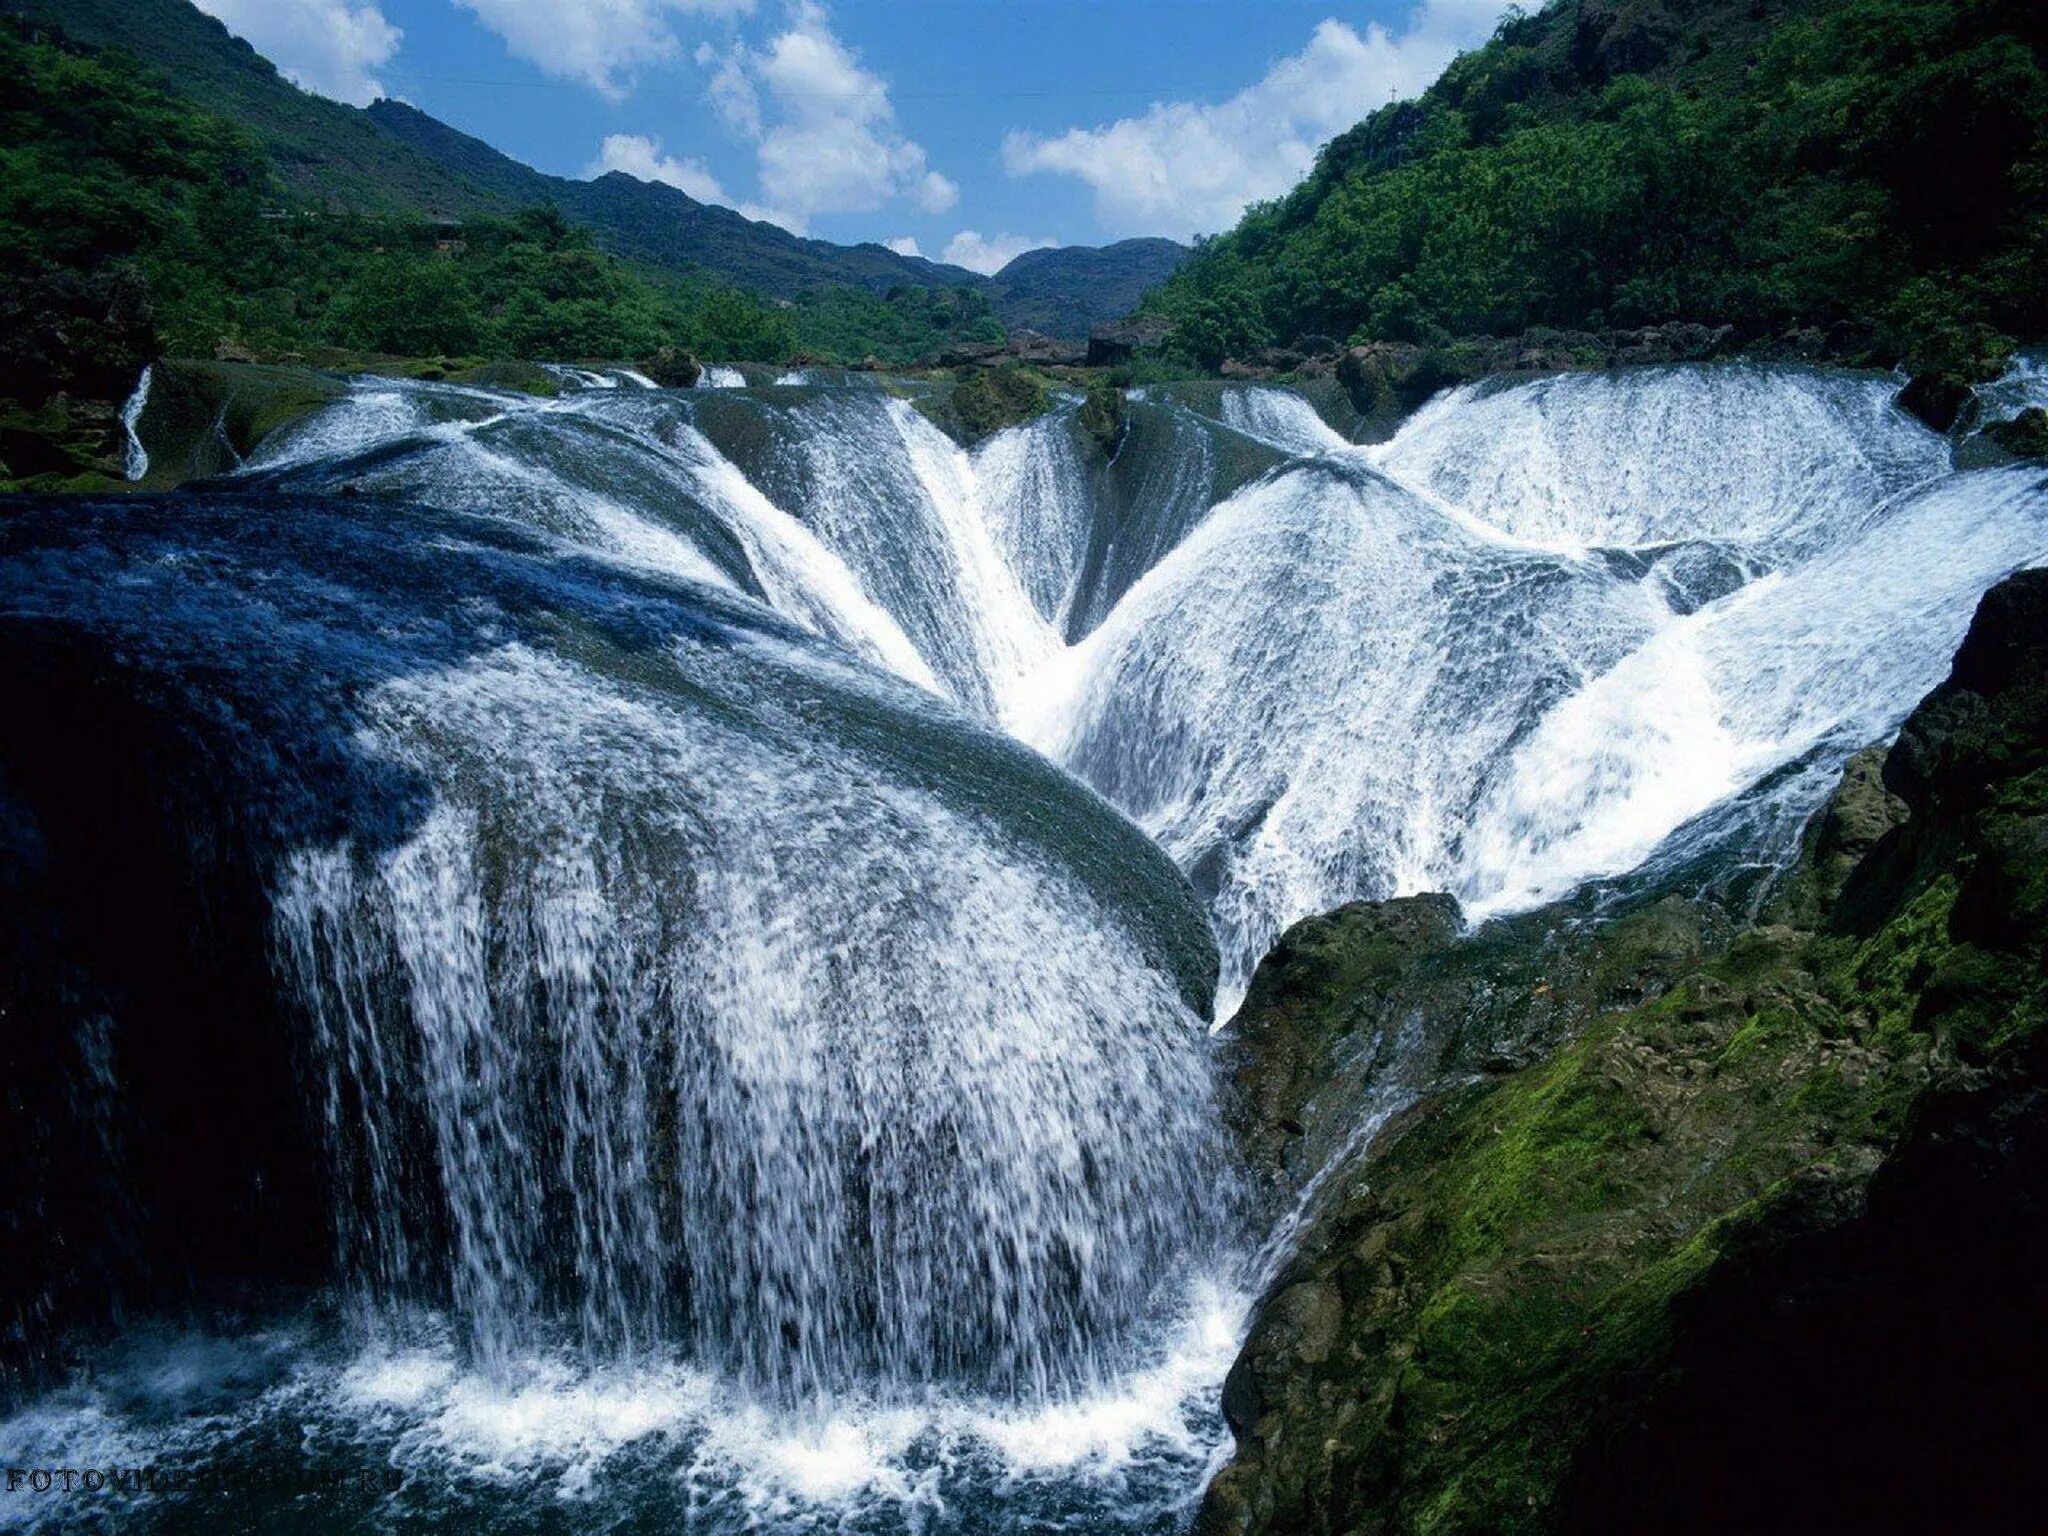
(1065, 290)
(394, 158)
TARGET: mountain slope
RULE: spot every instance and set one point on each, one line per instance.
(323, 150)
(1067, 290)
(395, 159)
(1879, 166)
(656, 223)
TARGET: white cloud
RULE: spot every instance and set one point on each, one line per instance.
(904, 245)
(732, 94)
(599, 42)
(1188, 167)
(327, 46)
(642, 157)
(824, 134)
(989, 256)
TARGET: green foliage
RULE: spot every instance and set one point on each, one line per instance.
(851, 324)
(101, 174)
(985, 400)
(1795, 164)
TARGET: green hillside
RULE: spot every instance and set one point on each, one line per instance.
(1876, 166)
(322, 150)
(391, 158)
(1066, 290)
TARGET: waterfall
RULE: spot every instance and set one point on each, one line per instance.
(701, 988)
(1353, 673)
(135, 457)
(744, 877)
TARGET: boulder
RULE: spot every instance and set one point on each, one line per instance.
(2025, 436)
(1118, 341)
(1936, 398)
(672, 368)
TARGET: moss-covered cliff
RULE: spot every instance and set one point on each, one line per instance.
(1755, 1248)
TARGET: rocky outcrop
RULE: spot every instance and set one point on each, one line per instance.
(1758, 1250)
(673, 368)
(1936, 398)
(1104, 417)
(983, 401)
(1020, 346)
(2025, 436)
(1121, 340)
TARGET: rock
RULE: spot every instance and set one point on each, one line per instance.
(228, 350)
(1315, 345)
(1278, 359)
(1104, 418)
(203, 418)
(1118, 341)
(1383, 377)
(1028, 346)
(965, 354)
(985, 401)
(672, 368)
(1553, 1300)
(1936, 398)
(2025, 436)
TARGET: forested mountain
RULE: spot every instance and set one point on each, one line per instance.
(1064, 290)
(1878, 166)
(391, 158)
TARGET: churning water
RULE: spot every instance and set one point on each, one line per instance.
(752, 1089)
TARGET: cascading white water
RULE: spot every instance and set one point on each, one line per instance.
(871, 1134)
(135, 457)
(737, 1012)
(1374, 673)
(1280, 417)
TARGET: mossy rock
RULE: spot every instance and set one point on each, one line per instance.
(1104, 418)
(1780, 1192)
(204, 418)
(983, 401)
(511, 373)
(2025, 436)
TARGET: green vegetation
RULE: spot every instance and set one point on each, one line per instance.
(133, 225)
(907, 323)
(982, 401)
(1877, 166)
(1556, 1297)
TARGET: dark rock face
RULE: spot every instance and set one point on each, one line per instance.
(1936, 398)
(1754, 1248)
(1119, 341)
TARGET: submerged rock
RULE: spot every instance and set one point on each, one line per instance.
(1789, 1205)
(2025, 436)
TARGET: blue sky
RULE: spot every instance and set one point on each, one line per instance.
(964, 129)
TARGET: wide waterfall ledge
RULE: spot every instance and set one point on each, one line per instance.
(705, 906)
